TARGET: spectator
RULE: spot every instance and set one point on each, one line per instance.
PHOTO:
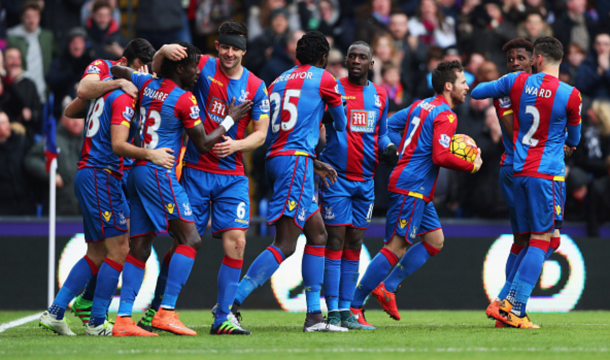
(69, 141)
(67, 69)
(474, 62)
(35, 44)
(104, 33)
(383, 52)
(159, 21)
(20, 97)
(431, 26)
(261, 47)
(574, 57)
(326, 17)
(449, 8)
(410, 50)
(283, 58)
(207, 16)
(373, 19)
(87, 10)
(397, 97)
(593, 75)
(534, 27)
(575, 25)
(488, 71)
(452, 53)
(259, 17)
(514, 10)
(335, 66)
(424, 89)
(15, 194)
(60, 16)
(541, 7)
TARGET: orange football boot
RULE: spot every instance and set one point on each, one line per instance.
(358, 314)
(493, 310)
(168, 320)
(500, 324)
(521, 323)
(387, 300)
(125, 326)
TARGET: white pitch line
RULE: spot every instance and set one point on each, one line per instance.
(18, 322)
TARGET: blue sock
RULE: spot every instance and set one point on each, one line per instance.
(106, 287)
(180, 267)
(515, 250)
(527, 276)
(504, 293)
(89, 292)
(133, 275)
(313, 276)
(375, 273)
(228, 278)
(80, 274)
(259, 272)
(332, 278)
(350, 264)
(414, 258)
(161, 282)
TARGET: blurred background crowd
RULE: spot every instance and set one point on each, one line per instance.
(46, 45)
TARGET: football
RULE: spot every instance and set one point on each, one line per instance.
(464, 147)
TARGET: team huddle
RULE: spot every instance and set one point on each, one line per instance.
(139, 109)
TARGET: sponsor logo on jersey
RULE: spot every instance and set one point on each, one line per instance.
(187, 209)
(194, 112)
(363, 121)
(107, 215)
(451, 118)
(92, 69)
(170, 207)
(217, 109)
(128, 113)
(504, 102)
(292, 205)
(445, 140)
(265, 106)
(403, 223)
(328, 213)
(215, 81)
(558, 209)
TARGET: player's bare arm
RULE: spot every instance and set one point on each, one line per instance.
(91, 87)
(123, 73)
(173, 52)
(325, 171)
(507, 122)
(119, 135)
(76, 109)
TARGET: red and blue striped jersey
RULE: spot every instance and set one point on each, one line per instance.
(214, 90)
(354, 152)
(99, 68)
(503, 107)
(166, 110)
(543, 107)
(428, 126)
(114, 108)
(298, 99)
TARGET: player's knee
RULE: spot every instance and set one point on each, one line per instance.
(193, 241)
(318, 239)
(334, 243)
(287, 249)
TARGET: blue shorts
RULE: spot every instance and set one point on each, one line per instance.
(291, 178)
(409, 217)
(101, 198)
(124, 182)
(348, 203)
(155, 198)
(227, 195)
(539, 204)
(506, 185)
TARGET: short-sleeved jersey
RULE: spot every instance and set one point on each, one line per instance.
(114, 108)
(167, 110)
(428, 128)
(503, 107)
(214, 91)
(354, 152)
(543, 107)
(298, 99)
(100, 68)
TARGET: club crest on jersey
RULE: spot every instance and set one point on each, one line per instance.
(377, 101)
(122, 219)
(92, 69)
(107, 215)
(194, 112)
(187, 209)
(328, 213)
(413, 233)
(445, 140)
(363, 121)
(128, 113)
(504, 102)
(170, 207)
(302, 214)
(217, 110)
(243, 97)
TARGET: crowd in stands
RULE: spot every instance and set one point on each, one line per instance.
(46, 45)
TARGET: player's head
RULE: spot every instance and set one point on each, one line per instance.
(548, 51)
(519, 53)
(231, 43)
(448, 79)
(186, 70)
(313, 49)
(359, 59)
(137, 53)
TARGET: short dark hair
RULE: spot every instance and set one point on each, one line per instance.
(365, 44)
(550, 48)
(100, 4)
(445, 72)
(34, 5)
(312, 47)
(518, 43)
(169, 67)
(387, 66)
(138, 49)
(232, 27)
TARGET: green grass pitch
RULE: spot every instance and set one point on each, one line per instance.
(278, 335)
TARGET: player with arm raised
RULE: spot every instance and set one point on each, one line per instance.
(428, 127)
(543, 107)
(347, 205)
(298, 98)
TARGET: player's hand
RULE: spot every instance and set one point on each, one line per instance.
(238, 112)
(143, 69)
(174, 52)
(325, 171)
(226, 148)
(478, 162)
(59, 181)
(163, 157)
(568, 151)
(389, 157)
(129, 88)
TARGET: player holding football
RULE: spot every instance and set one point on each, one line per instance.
(216, 182)
(544, 108)
(428, 126)
(347, 204)
(298, 98)
(158, 202)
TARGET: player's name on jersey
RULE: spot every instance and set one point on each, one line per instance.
(295, 75)
(545, 93)
(427, 106)
(155, 94)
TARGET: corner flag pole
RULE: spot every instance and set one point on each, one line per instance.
(52, 201)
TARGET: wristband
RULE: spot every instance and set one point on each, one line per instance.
(227, 123)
